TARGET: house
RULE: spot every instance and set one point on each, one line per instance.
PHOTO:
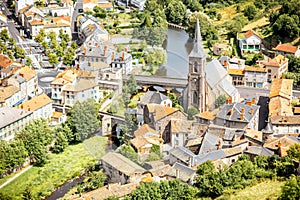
(106, 5)
(41, 106)
(255, 137)
(205, 117)
(122, 60)
(250, 42)
(3, 22)
(120, 169)
(256, 77)
(280, 97)
(26, 80)
(10, 96)
(232, 63)
(219, 83)
(58, 118)
(58, 9)
(56, 24)
(276, 67)
(210, 143)
(253, 151)
(220, 49)
(281, 145)
(31, 19)
(145, 138)
(13, 120)
(286, 124)
(5, 63)
(285, 49)
(237, 76)
(182, 172)
(177, 132)
(181, 155)
(238, 115)
(88, 5)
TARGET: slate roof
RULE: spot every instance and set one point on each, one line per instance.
(214, 73)
(122, 164)
(209, 143)
(258, 150)
(213, 155)
(152, 97)
(249, 112)
(185, 173)
(182, 154)
(197, 50)
(9, 115)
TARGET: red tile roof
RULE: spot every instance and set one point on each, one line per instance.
(286, 48)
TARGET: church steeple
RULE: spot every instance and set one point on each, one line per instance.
(198, 50)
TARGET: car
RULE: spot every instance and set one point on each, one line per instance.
(80, 10)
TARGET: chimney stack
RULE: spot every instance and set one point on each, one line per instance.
(242, 114)
(104, 52)
(230, 100)
(253, 101)
(112, 55)
(231, 111)
(219, 144)
(123, 55)
(177, 173)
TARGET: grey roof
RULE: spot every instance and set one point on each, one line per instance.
(19, 78)
(185, 173)
(209, 143)
(122, 163)
(269, 128)
(9, 115)
(197, 50)
(214, 155)
(182, 154)
(152, 97)
(237, 110)
(258, 150)
(215, 72)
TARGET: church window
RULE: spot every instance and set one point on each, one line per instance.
(195, 67)
(195, 98)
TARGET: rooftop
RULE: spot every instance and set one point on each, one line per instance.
(280, 107)
(255, 69)
(278, 61)
(249, 33)
(80, 85)
(160, 111)
(185, 173)
(5, 61)
(27, 73)
(36, 103)
(206, 115)
(153, 97)
(282, 88)
(9, 115)
(8, 91)
(286, 120)
(236, 72)
(286, 48)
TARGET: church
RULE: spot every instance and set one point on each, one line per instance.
(206, 81)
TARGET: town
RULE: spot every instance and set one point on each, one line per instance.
(149, 99)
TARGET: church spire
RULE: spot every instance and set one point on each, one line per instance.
(198, 38)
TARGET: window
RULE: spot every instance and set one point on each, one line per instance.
(176, 134)
(82, 94)
(195, 67)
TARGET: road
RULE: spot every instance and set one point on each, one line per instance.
(10, 22)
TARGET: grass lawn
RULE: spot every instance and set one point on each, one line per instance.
(264, 190)
(60, 168)
(5, 178)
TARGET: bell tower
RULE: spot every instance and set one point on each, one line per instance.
(196, 76)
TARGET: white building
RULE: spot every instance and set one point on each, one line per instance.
(256, 77)
(41, 106)
(20, 4)
(10, 96)
(251, 42)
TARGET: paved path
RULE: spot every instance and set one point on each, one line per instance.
(15, 176)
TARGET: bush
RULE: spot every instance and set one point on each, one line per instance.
(192, 111)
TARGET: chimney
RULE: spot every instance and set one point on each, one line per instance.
(230, 100)
(177, 173)
(242, 114)
(231, 111)
(225, 63)
(253, 101)
(219, 144)
(123, 55)
(112, 55)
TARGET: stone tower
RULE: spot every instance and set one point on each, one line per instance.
(196, 76)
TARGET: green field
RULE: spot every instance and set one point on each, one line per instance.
(264, 190)
(59, 168)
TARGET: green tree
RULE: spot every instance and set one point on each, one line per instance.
(192, 111)
(128, 152)
(131, 84)
(294, 63)
(61, 142)
(175, 12)
(294, 151)
(220, 101)
(250, 11)
(129, 125)
(52, 35)
(19, 52)
(83, 119)
(287, 25)
(126, 95)
(74, 45)
(44, 45)
(291, 189)
(28, 61)
(52, 58)
(4, 35)
(69, 56)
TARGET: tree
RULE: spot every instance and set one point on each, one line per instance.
(74, 45)
(126, 95)
(69, 56)
(129, 125)
(28, 61)
(36, 137)
(175, 12)
(44, 45)
(220, 101)
(83, 119)
(94, 181)
(4, 35)
(294, 151)
(52, 35)
(131, 84)
(27, 194)
(192, 111)
(291, 189)
(19, 52)
(287, 25)
(52, 58)
(164, 190)
(128, 152)
(61, 142)
(250, 11)
(294, 63)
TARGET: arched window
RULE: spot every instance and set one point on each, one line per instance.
(195, 67)
(195, 98)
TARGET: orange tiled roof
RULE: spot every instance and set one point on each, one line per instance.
(236, 72)
(27, 73)
(105, 5)
(90, 1)
(207, 115)
(160, 110)
(143, 130)
(65, 77)
(292, 120)
(257, 135)
(255, 69)
(5, 61)
(296, 110)
(250, 33)
(8, 91)
(280, 107)
(36, 102)
(286, 48)
(24, 9)
(56, 115)
(281, 87)
(283, 142)
(277, 61)
(36, 22)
